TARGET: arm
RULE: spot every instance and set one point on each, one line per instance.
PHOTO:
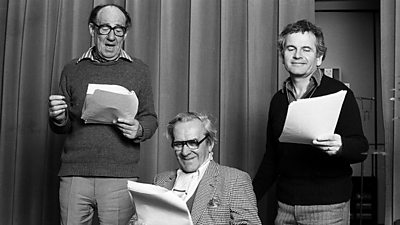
(59, 119)
(243, 201)
(267, 171)
(144, 124)
(146, 115)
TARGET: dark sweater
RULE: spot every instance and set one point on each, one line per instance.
(98, 149)
(306, 175)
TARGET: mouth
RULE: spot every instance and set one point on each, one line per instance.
(187, 158)
(110, 45)
(298, 63)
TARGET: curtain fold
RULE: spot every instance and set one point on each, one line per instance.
(289, 11)
(390, 70)
(204, 55)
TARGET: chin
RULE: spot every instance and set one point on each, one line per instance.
(189, 169)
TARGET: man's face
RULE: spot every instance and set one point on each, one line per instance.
(190, 160)
(108, 46)
(300, 54)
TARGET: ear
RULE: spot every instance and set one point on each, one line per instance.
(211, 146)
(319, 60)
(91, 29)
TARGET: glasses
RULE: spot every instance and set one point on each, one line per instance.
(191, 144)
(105, 29)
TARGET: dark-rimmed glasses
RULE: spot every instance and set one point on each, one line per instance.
(191, 144)
(105, 29)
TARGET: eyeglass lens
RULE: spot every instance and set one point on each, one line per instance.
(105, 29)
(192, 144)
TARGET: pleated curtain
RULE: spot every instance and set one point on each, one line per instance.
(214, 56)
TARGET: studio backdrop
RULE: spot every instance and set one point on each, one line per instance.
(214, 56)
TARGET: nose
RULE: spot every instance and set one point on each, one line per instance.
(297, 54)
(185, 151)
(111, 35)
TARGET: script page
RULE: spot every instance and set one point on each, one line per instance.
(106, 103)
(309, 118)
(156, 205)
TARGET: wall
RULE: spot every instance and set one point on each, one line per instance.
(350, 36)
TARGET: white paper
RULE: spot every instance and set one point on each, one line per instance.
(107, 87)
(310, 118)
(106, 103)
(156, 205)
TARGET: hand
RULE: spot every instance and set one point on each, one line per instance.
(331, 143)
(57, 107)
(129, 127)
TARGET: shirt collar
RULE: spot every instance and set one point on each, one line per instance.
(316, 78)
(89, 55)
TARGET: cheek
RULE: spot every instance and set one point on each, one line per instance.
(100, 40)
(120, 41)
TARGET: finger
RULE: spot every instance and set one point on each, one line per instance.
(56, 97)
(57, 103)
(58, 107)
(318, 143)
(124, 121)
(129, 121)
(122, 126)
(56, 113)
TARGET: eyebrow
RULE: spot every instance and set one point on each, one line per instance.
(301, 47)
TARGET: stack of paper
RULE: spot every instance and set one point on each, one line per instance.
(106, 103)
(309, 118)
(156, 205)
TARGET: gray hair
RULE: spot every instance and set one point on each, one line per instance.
(209, 126)
(303, 26)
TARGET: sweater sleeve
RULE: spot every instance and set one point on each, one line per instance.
(146, 114)
(267, 171)
(349, 127)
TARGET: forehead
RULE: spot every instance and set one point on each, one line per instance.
(189, 129)
(301, 39)
(111, 15)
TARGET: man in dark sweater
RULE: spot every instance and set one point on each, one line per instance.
(98, 159)
(313, 180)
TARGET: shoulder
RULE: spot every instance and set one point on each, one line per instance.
(278, 96)
(332, 85)
(160, 177)
(71, 67)
(232, 172)
(138, 64)
(72, 63)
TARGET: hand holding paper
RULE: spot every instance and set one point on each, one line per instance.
(330, 143)
(106, 103)
(308, 119)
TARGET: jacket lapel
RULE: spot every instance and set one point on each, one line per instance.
(168, 180)
(205, 191)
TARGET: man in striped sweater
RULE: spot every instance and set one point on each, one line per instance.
(98, 159)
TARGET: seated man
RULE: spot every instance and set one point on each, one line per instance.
(214, 194)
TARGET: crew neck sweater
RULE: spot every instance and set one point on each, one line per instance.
(99, 149)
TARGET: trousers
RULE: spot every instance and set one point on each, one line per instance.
(335, 214)
(80, 197)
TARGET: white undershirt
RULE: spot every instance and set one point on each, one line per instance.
(186, 183)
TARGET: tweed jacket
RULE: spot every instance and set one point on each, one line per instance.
(224, 196)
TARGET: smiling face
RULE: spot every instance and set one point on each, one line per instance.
(110, 45)
(190, 160)
(300, 56)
